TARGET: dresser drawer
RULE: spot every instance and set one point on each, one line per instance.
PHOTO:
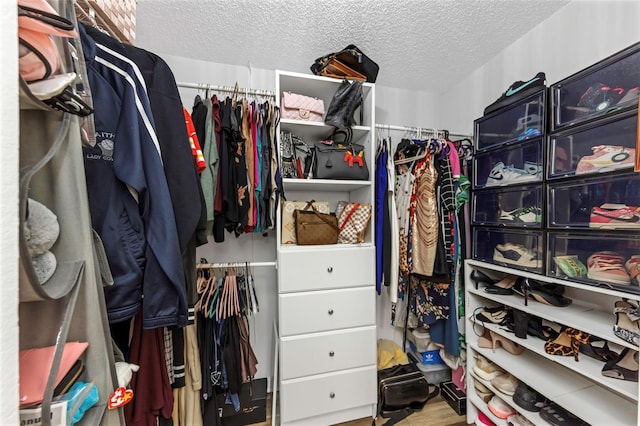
(326, 310)
(327, 352)
(326, 268)
(327, 393)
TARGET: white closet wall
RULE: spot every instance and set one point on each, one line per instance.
(578, 35)
(9, 213)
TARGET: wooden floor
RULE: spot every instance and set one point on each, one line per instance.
(436, 413)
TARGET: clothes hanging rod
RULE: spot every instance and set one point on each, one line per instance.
(418, 129)
(227, 89)
(234, 264)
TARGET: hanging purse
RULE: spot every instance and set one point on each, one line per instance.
(353, 222)
(315, 228)
(340, 160)
(344, 103)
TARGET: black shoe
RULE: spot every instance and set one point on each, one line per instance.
(480, 278)
(518, 90)
(556, 415)
(528, 398)
(547, 294)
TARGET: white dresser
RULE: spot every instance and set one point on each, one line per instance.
(326, 294)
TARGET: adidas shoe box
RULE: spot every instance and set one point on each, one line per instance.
(513, 248)
(455, 397)
(607, 87)
(607, 145)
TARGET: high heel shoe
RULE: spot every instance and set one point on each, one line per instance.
(506, 344)
(484, 341)
(567, 343)
(497, 316)
(627, 316)
(597, 348)
(625, 367)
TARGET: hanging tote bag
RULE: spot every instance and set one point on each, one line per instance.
(340, 160)
(344, 103)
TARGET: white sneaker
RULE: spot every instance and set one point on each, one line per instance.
(503, 175)
(516, 254)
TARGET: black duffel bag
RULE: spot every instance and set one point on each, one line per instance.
(402, 390)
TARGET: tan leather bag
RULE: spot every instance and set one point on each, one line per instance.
(315, 228)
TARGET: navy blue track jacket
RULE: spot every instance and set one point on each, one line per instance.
(128, 196)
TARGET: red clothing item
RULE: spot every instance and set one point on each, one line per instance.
(152, 394)
(196, 151)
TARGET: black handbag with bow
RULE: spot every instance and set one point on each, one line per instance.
(340, 159)
(344, 103)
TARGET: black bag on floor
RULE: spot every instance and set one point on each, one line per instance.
(402, 390)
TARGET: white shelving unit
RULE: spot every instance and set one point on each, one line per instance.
(579, 387)
(326, 340)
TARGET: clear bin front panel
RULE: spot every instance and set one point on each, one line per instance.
(596, 203)
(521, 207)
(604, 88)
(521, 121)
(604, 260)
(515, 249)
(606, 147)
(515, 165)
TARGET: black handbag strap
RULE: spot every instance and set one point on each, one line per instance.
(348, 136)
(320, 215)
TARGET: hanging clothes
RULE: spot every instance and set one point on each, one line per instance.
(152, 264)
(430, 238)
(150, 385)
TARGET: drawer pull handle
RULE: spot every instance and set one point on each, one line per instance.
(330, 269)
(330, 311)
(332, 395)
(332, 353)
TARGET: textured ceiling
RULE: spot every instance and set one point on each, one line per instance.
(425, 45)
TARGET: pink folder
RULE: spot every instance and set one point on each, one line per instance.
(35, 365)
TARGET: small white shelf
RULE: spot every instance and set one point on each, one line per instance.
(578, 315)
(329, 185)
(546, 279)
(600, 407)
(480, 405)
(533, 417)
(296, 248)
(586, 366)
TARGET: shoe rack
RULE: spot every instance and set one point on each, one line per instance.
(507, 184)
(586, 111)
